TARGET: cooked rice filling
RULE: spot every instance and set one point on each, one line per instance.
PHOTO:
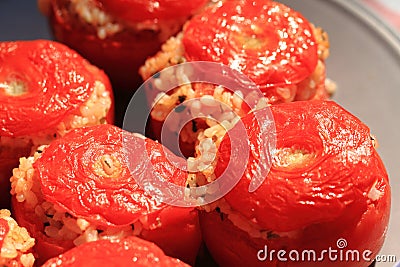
(16, 244)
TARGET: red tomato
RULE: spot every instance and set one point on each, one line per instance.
(326, 182)
(84, 155)
(120, 54)
(140, 10)
(86, 172)
(130, 251)
(269, 42)
(48, 81)
(4, 228)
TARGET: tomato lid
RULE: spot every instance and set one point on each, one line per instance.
(131, 251)
(41, 82)
(4, 229)
(88, 173)
(140, 10)
(323, 167)
(267, 41)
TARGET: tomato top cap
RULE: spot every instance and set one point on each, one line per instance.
(41, 82)
(269, 42)
(324, 168)
(131, 251)
(88, 174)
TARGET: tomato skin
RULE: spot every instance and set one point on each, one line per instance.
(182, 222)
(130, 251)
(111, 54)
(4, 229)
(92, 194)
(70, 177)
(140, 10)
(231, 246)
(341, 191)
(57, 81)
(121, 54)
(270, 43)
(330, 136)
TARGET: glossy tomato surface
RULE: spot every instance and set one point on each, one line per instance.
(87, 173)
(130, 251)
(43, 82)
(269, 42)
(326, 182)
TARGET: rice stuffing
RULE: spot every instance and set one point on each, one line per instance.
(17, 244)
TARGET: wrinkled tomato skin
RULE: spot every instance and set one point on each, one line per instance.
(45, 248)
(56, 82)
(345, 166)
(182, 222)
(46, 70)
(130, 251)
(71, 178)
(139, 10)
(278, 39)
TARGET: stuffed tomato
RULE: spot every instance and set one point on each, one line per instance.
(46, 89)
(271, 44)
(129, 251)
(82, 188)
(324, 202)
(117, 35)
(15, 243)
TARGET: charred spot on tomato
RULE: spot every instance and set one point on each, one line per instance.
(14, 88)
(107, 166)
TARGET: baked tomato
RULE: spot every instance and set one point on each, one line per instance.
(141, 10)
(88, 176)
(269, 42)
(130, 251)
(42, 82)
(327, 188)
(45, 90)
(117, 36)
